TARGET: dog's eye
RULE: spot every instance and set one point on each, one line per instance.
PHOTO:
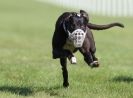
(72, 26)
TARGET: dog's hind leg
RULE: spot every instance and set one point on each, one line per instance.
(63, 62)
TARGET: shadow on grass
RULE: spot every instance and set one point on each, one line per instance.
(27, 91)
(23, 91)
(53, 91)
(126, 79)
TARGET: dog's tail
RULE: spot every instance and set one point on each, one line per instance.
(103, 27)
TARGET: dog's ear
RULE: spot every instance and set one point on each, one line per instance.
(84, 14)
(68, 15)
(64, 26)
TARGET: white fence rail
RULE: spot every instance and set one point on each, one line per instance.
(101, 7)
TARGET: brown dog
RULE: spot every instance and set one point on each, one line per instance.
(73, 33)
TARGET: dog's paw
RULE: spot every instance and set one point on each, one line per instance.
(94, 64)
(73, 60)
(65, 84)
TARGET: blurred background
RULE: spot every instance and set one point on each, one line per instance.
(26, 65)
(100, 7)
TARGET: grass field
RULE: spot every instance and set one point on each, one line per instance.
(27, 69)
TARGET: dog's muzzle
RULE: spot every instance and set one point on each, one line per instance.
(77, 37)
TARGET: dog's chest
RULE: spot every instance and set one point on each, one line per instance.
(69, 45)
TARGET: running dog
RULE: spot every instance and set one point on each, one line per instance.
(73, 33)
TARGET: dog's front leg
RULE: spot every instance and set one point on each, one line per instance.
(88, 57)
(63, 62)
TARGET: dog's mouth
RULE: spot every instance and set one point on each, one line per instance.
(77, 37)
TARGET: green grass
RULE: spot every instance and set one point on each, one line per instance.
(27, 69)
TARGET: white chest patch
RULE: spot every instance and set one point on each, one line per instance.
(69, 45)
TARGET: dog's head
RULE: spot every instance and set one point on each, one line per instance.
(75, 25)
